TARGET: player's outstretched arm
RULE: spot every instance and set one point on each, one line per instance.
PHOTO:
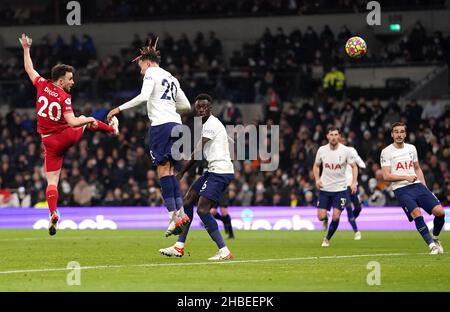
(146, 91)
(26, 42)
(76, 122)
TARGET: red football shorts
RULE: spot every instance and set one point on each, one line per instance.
(57, 144)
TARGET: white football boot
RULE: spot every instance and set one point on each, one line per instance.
(434, 249)
(325, 243)
(114, 122)
(172, 251)
(223, 254)
(358, 235)
(438, 244)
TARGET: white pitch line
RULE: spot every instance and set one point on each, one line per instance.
(209, 262)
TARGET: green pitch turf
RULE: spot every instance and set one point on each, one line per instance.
(128, 260)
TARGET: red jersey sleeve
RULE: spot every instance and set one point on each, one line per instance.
(67, 105)
(39, 82)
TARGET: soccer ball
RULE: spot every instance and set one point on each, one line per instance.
(356, 47)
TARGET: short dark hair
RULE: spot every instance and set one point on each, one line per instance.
(398, 124)
(204, 96)
(60, 70)
(333, 128)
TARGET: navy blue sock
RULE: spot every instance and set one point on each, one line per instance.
(218, 216)
(422, 228)
(189, 210)
(177, 192)
(167, 193)
(351, 219)
(357, 209)
(438, 224)
(332, 228)
(212, 228)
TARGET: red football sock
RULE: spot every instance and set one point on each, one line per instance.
(101, 126)
(52, 197)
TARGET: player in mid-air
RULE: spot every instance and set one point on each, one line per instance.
(400, 166)
(334, 158)
(206, 191)
(354, 198)
(56, 123)
(164, 96)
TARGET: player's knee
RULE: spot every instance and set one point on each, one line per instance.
(415, 213)
(204, 206)
(438, 211)
(202, 211)
(336, 218)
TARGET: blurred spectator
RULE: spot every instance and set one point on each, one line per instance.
(333, 83)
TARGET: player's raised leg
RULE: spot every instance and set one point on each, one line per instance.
(99, 126)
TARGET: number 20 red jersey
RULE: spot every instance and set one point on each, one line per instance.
(51, 105)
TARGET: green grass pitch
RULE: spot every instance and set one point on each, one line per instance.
(128, 260)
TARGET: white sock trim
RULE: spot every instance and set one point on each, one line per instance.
(179, 245)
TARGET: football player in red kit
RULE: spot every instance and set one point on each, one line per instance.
(56, 122)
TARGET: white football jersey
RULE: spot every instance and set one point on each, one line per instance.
(334, 164)
(217, 151)
(163, 95)
(359, 162)
(401, 161)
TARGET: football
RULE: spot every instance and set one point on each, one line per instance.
(356, 47)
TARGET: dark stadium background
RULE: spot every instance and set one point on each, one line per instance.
(263, 61)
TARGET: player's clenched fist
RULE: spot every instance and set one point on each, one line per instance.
(25, 41)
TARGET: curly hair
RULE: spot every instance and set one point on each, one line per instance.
(149, 52)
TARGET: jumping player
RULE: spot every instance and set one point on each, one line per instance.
(354, 198)
(400, 166)
(334, 157)
(56, 123)
(163, 95)
(207, 190)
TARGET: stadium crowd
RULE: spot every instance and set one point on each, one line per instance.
(277, 64)
(104, 170)
(51, 12)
